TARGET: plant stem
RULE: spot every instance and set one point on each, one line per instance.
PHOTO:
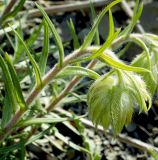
(11, 123)
(50, 75)
(9, 7)
(37, 89)
(66, 7)
(69, 87)
(48, 78)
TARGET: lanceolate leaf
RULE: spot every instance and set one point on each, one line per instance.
(17, 88)
(94, 16)
(55, 34)
(91, 34)
(111, 24)
(136, 16)
(10, 99)
(7, 110)
(96, 53)
(143, 45)
(34, 35)
(44, 56)
(18, 45)
(34, 64)
(105, 45)
(74, 35)
(42, 120)
(120, 65)
(46, 120)
(139, 12)
(77, 70)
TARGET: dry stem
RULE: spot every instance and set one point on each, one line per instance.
(122, 138)
(9, 7)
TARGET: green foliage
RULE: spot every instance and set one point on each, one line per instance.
(55, 34)
(18, 90)
(76, 70)
(137, 13)
(9, 100)
(74, 35)
(89, 37)
(32, 60)
(153, 153)
(112, 98)
(44, 56)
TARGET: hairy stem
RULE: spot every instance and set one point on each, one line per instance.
(37, 89)
(64, 93)
(50, 75)
(48, 78)
(69, 87)
(11, 123)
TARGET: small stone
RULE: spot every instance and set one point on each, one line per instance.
(156, 141)
(155, 130)
(106, 143)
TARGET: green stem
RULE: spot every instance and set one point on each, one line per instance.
(48, 78)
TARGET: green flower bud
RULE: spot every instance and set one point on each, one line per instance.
(113, 97)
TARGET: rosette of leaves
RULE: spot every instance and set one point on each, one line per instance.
(113, 97)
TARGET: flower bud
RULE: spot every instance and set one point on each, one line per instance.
(113, 97)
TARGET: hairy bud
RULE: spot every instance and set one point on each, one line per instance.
(113, 97)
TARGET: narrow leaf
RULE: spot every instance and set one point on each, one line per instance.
(42, 120)
(77, 70)
(94, 16)
(46, 120)
(55, 34)
(91, 34)
(44, 56)
(7, 111)
(135, 18)
(106, 44)
(74, 35)
(18, 91)
(18, 45)
(34, 64)
(117, 64)
(143, 45)
(39, 135)
(111, 24)
(10, 101)
(33, 37)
